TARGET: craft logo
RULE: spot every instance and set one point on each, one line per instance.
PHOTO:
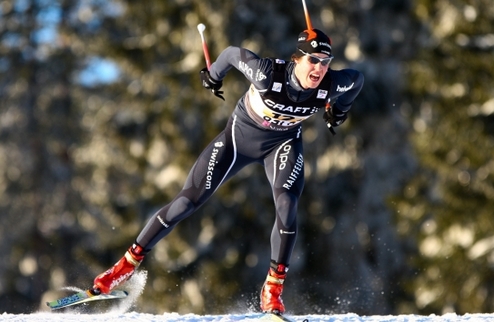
(299, 110)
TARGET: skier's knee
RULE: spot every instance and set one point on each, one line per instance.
(180, 209)
(286, 207)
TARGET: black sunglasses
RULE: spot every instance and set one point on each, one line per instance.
(315, 60)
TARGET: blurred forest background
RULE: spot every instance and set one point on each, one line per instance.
(102, 114)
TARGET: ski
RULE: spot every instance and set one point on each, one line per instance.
(84, 297)
(278, 318)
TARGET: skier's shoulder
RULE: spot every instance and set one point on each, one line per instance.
(347, 77)
(346, 73)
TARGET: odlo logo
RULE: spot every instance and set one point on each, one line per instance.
(284, 156)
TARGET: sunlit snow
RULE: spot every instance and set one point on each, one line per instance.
(119, 311)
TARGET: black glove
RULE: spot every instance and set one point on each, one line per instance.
(334, 116)
(212, 84)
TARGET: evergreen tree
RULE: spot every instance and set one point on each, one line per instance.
(39, 129)
(85, 160)
(446, 210)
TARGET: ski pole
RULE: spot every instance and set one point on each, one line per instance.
(330, 128)
(307, 17)
(201, 27)
(309, 27)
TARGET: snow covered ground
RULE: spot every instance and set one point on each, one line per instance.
(124, 311)
(173, 317)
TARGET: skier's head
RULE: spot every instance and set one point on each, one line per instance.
(314, 41)
(312, 58)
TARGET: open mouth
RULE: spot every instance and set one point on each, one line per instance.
(314, 78)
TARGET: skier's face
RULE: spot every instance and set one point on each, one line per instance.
(311, 68)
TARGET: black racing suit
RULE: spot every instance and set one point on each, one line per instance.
(265, 127)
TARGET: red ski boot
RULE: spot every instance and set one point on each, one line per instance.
(271, 290)
(121, 271)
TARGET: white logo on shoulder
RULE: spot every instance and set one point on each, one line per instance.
(243, 67)
(344, 88)
(260, 76)
(322, 93)
(277, 87)
(280, 61)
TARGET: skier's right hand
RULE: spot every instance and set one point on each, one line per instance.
(212, 84)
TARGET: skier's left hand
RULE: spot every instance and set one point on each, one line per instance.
(334, 116)
(209, 83)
